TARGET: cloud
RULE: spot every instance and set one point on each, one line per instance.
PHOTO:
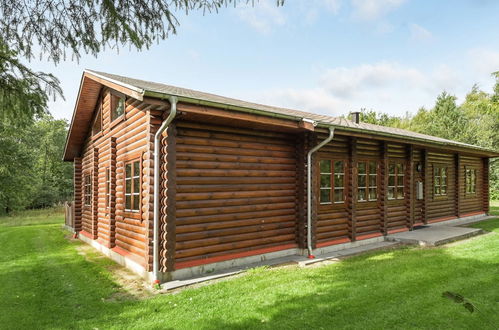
(419, 33)
(385, 86)
(484, 61)
(263, 16)
(374, 9)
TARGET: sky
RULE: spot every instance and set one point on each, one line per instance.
(324, 56)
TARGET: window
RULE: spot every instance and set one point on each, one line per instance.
(367, 181)
(108, 187)
(439, 180)
(470, 180)
(117, 106)
(396, 181)
(332, 181)
(132, 186)
(87, 190)
(97, 125)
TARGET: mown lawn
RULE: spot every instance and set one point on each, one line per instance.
(46, 284)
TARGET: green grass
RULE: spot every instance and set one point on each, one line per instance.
(46, 283)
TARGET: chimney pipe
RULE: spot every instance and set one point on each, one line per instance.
(355, 116)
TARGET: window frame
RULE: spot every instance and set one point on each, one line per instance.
(368, 174)
(97, 117)
(439, 169)
(108, 189)
(114, 96)
(87, 190)
(470, 188)
(132, 211)
(332, 188)
(396, 182)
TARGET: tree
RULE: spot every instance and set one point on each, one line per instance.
(16, 168)
(57, 29)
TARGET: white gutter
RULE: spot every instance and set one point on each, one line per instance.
(157, 154)
(309, 189)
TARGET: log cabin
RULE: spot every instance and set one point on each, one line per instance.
(173, 182)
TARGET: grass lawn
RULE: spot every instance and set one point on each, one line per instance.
(46, 282)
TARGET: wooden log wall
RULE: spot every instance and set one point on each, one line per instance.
(332, 219)
(125, 139)
(236, 191)
(78, 196)
(441, 206)
(168, 199)
(418, 176)
(229, 190)
(486, 189)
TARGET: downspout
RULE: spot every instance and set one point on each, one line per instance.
(157, 152)
(309, 190)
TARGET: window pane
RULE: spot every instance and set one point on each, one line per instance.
(372, 180)
(362, 168)
(128, 202)
(437, 190)
(362, 180)
(391, 169)
(362, 194)
(338, 195)
(443, 190)
(128, 170)
(400, 192)
(325, 196)
(136, 168)
(338, 181)
(136, 202)
(325, 180)
(391, 180)
(391, 192)
(436, 171)
(136, 185)
(338, 167)
(444, 171)
(119, 108)
(325, 166)
(437, 181)
(373, 168)
(128, 186)
(400, 168)
(373, 195)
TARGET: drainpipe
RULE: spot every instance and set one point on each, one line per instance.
(309, 190)
(157, 152)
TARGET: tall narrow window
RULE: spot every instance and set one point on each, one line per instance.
(440, 180)
(396, 181)
(117, 106)
(332, 181)
(367, 181)
(339, 181)
(132, 186)
(108, 188)
(470, 179)
(87, 190)
(97, 125)
(326, 179)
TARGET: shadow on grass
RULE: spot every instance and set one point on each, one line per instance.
(402, 291)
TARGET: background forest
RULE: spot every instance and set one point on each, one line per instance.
(33, 175)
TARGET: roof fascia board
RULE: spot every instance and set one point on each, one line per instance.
(73, 117)
(132, 91)
(483, 151)
(424, 142)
